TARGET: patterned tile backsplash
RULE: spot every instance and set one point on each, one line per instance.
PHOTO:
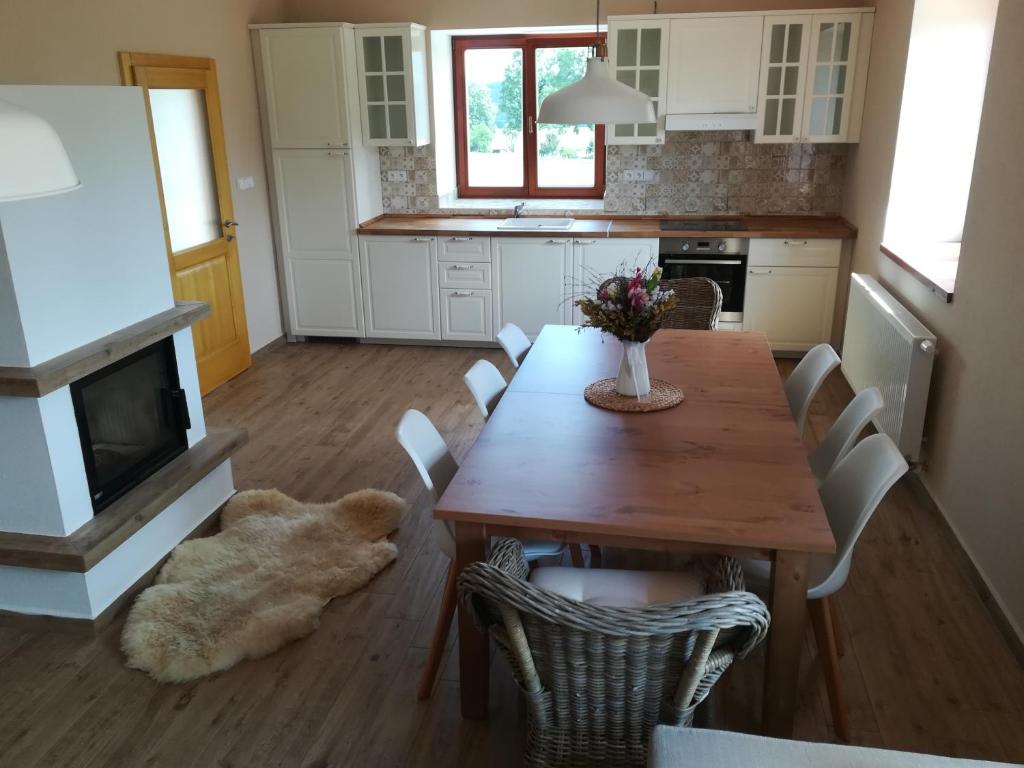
(692, 172)
(723, 171)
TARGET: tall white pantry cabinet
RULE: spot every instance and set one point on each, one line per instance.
(324, 177)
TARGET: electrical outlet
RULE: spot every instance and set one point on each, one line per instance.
(246, 182)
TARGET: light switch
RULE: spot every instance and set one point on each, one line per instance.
(246, 182)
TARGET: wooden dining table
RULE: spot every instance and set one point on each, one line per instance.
(723, 472)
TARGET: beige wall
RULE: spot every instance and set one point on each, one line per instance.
(46, 41)
(975, 429)
(469, 14)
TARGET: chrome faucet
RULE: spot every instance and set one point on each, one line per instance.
(517, 210)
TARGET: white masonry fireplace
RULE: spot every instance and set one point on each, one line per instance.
(106, 462)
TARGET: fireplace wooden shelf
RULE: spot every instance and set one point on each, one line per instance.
(40, 380)
(104, 533)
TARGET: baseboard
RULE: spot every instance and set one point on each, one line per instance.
(1007, 626)
(270, 346)
(36, 622)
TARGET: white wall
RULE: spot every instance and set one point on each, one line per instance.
(89, 262)
(77, 43)
(975, 427)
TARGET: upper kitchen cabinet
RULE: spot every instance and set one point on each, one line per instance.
(303, 79)
(393, 84)
(812, 89)
(713, 68)
(638, 51)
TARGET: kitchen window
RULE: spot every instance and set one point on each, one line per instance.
(501, 150)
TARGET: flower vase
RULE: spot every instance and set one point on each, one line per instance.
(633, 380)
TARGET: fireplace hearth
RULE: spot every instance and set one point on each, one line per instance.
(132, 419)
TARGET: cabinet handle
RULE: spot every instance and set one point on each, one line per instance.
(557, 242)
(585, 242)
(460, 239)
(794, 242)
(712, 262)
(462, 293)
(461, 266)
(422, 239)
(755, 271)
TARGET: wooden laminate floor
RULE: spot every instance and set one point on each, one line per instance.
(925, 667)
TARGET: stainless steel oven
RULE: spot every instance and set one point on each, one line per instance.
(722, 259)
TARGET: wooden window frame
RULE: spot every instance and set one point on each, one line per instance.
(529, 45)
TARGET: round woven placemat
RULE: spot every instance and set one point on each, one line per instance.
(663, 395)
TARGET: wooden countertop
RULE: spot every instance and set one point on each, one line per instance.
(810, 226)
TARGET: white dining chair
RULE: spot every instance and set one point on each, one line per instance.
(486, 384)
(844, 432)
(436, 465)
(806, 379)
(850, 494)
(515, 343)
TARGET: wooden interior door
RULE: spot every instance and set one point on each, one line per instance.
(187, 135)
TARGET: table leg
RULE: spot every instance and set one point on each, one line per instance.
(474, 645)
(785, 642)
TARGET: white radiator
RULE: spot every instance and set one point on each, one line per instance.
(887, 347)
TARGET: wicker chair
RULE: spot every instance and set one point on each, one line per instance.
(700, 303)
(597, 679)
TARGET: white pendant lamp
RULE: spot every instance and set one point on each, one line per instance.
(33, 161)
(598, 97)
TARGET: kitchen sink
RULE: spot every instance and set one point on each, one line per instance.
(539, 223)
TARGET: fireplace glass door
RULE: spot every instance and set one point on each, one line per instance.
(132, 418)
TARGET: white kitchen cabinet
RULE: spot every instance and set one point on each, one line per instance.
(304, 87)
(466, 315)
(791, 291)
(638, 54)
(315, 216)
(462, 275)
(393, 84)
(464, 248)
(713, 68)
(400, 287)
(811, 89)
(595, 260)
(532, 282)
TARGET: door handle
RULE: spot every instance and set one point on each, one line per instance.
(230, 223)
(716, 262)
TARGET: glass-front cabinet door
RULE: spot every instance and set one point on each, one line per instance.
(833, 51)
(783, 71)
(384, 86)
(392, 64)
(638, 54)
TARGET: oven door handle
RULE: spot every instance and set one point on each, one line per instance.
(719, 262)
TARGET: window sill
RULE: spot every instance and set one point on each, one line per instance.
(932, 264)
(506, 204)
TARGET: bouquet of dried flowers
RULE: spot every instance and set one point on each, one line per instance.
(630, 307)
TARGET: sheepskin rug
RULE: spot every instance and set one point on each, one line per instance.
(260, 583)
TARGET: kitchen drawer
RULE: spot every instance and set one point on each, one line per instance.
(464, 274)
(459, 248)
(466, 316)
(794, 252)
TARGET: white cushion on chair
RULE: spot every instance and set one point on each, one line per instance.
(620, 589)
(534, 548)
(673, 747)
